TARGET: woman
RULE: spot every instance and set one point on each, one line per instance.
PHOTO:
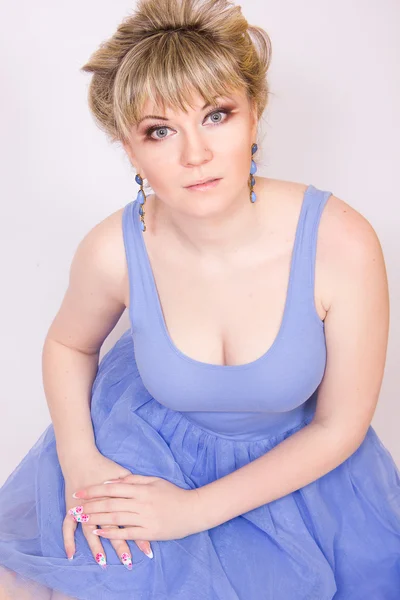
(235, 413)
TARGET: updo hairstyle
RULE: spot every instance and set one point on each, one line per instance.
(168, 48)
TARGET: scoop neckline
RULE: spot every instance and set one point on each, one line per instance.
(160, 314)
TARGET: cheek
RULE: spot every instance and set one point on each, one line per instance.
(237, 148)
(159, 176)
(239, 161)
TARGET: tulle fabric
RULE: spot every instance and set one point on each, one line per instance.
(336, 538)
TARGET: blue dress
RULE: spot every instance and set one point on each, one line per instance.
(156, 411)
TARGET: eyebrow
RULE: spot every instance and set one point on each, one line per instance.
(165, 118)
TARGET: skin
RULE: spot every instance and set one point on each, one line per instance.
(212, 238)
(241, 251)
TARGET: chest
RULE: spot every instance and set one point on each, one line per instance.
(226, 340)
(227, 313)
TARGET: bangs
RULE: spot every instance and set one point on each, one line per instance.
(167, 69)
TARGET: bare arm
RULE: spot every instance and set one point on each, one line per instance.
(92, 305)
(356, 330)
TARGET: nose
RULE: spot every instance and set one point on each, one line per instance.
(195, 150)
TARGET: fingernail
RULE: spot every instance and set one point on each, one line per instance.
(75, 510)
(126, 560)
(81, 519)
(77, 514)
(143, 547)
(113, 481)
(76, 495)
(71, 557)
(101, 560)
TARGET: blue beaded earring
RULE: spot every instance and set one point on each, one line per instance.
(141, 197)
(253, 171)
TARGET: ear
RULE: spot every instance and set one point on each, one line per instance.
(132, 158)
(129, 151)
(254, 122)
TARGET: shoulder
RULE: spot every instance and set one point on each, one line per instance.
(347, 243)
(105, 238)
(351, 246)
(102, 250)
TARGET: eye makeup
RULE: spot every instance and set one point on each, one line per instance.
(217, 109)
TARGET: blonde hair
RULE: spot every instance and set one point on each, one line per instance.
(168, 48)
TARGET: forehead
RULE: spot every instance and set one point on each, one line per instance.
(194, 101)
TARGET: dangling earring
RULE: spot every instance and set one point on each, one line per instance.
(253, 170)
(142, 199)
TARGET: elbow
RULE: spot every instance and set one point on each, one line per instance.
(342, 441)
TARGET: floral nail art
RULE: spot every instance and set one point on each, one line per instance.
(126, 560)
(101, 560)
(78, 515)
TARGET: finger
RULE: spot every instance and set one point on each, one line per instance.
(135, 478)
(121, 548)
(122, 533)
(68, 530)
(115, 518)
(95, 545)
(144, 546)
(118, 490)
(139, 479)
(105, 505)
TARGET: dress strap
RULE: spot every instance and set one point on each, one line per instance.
(139, 279)
(305, 249)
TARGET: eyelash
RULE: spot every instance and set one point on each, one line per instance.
(219, 109)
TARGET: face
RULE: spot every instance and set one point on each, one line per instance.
(177, 151)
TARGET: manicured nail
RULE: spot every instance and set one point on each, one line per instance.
(113, 481)
(77, 514)
(77, 494)
(71, 557)
(101, 560)
(143, 546)
(126, 561)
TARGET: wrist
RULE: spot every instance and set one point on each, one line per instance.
(71, 459)
(203, 515)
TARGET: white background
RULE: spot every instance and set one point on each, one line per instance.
(332, 121)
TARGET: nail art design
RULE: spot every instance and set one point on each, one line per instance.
(101, 560)
(77, 513)
(126, 560)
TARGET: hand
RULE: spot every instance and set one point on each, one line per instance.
(149, 508)
(95, 469)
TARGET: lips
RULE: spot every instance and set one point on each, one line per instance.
(203, 181)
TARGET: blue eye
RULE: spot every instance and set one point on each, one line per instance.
(161, 127)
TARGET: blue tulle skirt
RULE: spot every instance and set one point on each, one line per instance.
(336, 538)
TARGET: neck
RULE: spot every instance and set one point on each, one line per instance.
(213, 233)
